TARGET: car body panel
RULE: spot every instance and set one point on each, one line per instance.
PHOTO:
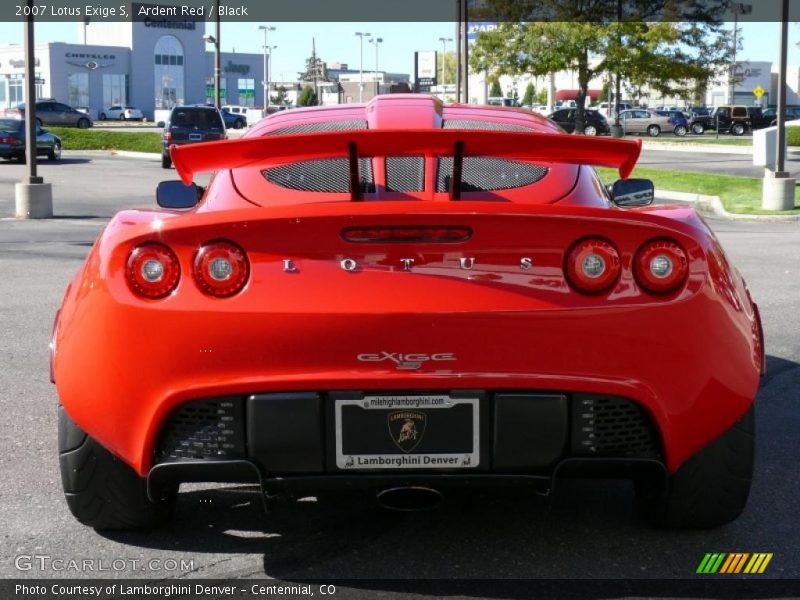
(497, 300)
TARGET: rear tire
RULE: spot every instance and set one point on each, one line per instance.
(101, 490)
(698, 129)
(654, 131)
(83, 124)
(166, 161)
(709, 489)
(102, 116)
(737, 129)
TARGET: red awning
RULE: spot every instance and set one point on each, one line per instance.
(573, 94)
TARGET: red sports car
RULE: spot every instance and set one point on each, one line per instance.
(402, 297)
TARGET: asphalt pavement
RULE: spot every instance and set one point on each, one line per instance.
(588, 529)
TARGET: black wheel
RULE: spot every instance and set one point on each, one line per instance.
(681, 130)
(711, 488)
(83, 123)
(590, 130)
(238, 124)
(101, 490)
(654, 131)
(737, 129)
(121, 116)
(102, 116)
(698, 129)
(55, 153)
(166, 161)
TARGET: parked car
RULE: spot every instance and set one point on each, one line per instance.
(190, 125)
(607, 109)
(500, 101)
(293, 325)
(639, 120)
(769, 117)
(12, 141)
(731, 118)
(594, 122)
(234, 116)
(679, 121)
(121, 113)
(50, 112)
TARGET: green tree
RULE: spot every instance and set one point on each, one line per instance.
(541, 96)
(495, 90)
(281, 98)
(667, 56)
(530, 95)
(307, 97)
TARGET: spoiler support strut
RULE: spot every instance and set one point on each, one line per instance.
(355, 179)
(458, 165)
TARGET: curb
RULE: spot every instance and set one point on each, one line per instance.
(122, 153)
(699, 148)
(713, 205)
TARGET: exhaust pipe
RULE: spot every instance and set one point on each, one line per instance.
(410, 498)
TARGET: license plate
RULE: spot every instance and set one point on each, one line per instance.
(195, 137)
(428, 431)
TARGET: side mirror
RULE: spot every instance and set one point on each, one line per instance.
(633, 192)
(174, 194)
(160, 124)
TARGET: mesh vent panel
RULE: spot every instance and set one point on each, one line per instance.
(325, 175)
(484, 174)
(405, 173)
(203, 430)
(320, 126)
(483, 125)
(611, 426)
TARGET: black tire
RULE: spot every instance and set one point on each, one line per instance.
(590, 130)
(737, 129)
(698, 129)
(711, 488)
(101, 490)
(84, 123)
(654, 131)
(238, 124)
(102, 116)
(55, 153)
(166, 161)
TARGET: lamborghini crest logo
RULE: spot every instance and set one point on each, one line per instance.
(406, 429)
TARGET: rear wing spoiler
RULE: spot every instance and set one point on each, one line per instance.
(266, 151)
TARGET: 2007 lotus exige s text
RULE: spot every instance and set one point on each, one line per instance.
(401, 297)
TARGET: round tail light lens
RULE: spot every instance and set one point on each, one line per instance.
(221, 269)
(661, 266)
(153, 270)
(593, 265)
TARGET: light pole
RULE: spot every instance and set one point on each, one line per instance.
(361, 36)
(266, 29)
(377, 42)
(269, 70)
(444, 41)
(738, 8)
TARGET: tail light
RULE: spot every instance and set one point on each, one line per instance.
(593, 265)
(153, 270)
(221, 269)
(660, 266)
(167, 135)
(8, 140)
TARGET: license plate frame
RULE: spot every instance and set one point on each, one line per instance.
(397, 405)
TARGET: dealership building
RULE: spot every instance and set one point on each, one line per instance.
(152, 64)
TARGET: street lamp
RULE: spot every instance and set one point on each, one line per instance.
(738, 8)
(267, 75)
(444, 41)
(361, 35)
(270, 49)
(377, 42)
(210, 39)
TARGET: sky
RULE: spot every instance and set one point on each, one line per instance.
(337, 42)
